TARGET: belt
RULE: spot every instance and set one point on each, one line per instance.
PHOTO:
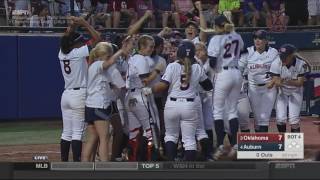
(231, 67)
(77, 88)
(261, 84)
(187, 99)
(132, 90)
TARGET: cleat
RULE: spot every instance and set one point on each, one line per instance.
(219, 153)
(233, 152)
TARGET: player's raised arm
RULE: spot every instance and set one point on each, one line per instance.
(127, 47)
(134, 28)
(203, 23)
(95, 35)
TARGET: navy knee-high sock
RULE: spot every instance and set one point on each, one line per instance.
(219, 127)
(76, 150)
(234, 127)
(64, 149)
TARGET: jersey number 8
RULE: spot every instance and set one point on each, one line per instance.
(66, 67)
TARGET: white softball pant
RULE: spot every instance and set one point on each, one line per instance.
(123, 116)
(181, 115)
(243, 107)
(226, 90)
(262, 102)
(294, 102)
(138, 114)
(73, 110)
(200, 132)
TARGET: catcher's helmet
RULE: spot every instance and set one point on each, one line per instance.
(186, 49)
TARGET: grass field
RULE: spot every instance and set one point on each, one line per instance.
(34, 132)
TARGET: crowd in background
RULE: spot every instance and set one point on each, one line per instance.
(165, 13)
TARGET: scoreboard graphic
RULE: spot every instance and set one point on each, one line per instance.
(270, 146)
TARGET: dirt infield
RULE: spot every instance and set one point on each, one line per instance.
(25, 153)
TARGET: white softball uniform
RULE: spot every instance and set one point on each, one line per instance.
(243, 107)
(135, 101)
(181, 110)
(227, 83)
(261, 98)
(289, 96)
(153, 63)
(122, 66)
(205, 105)
(74, 70)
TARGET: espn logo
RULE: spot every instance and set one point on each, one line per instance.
(40, 158)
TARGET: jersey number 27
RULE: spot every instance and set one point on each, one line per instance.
(234, 45)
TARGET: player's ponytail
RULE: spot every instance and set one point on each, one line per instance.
(187, 70)
(228, 27)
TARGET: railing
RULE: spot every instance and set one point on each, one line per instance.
(145, 30)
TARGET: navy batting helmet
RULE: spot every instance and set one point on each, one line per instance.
(286, 50)
(186, 49)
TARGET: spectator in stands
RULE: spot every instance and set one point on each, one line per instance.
(184, 9)
(41, 17)
(100, 19)
(209, 10)
(66, 9)
(314, 12)
(85, 6)
(296, 17)
(232, 10)
(276, 17)
(192, 32)
(122, 8)
(36, 3)
(163, 9)
(141, 7)
(3, 13)
(254, 12)
(21, 11)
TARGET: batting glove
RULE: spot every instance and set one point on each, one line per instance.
(146, 91)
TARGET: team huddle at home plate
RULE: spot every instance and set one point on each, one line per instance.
(177, 99)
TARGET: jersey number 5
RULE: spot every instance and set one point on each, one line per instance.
(66, 66)
(184, 84)
(228, 49)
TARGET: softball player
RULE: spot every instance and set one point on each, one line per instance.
(181, 79)
(72, 56)
(257, 61)
(224, 53)
(122, 66)
(138, 115)
(155, 77)
(288, 76)
(204, 131)
(243, 108)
